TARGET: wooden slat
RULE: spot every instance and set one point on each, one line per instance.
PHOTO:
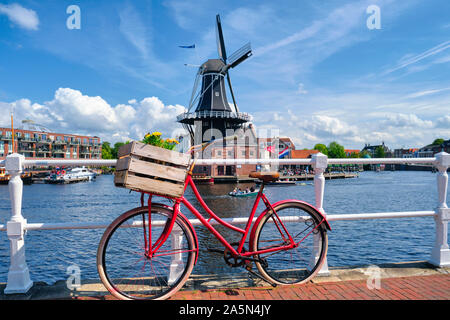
(154, 186)
(156, 170)
(123, 163)
(149, 151)
(120, 177)
(124, 150)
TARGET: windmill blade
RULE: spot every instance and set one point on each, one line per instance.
(240, 55)
(220, 42)
(232, 93)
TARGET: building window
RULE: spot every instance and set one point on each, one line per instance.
(2, 148)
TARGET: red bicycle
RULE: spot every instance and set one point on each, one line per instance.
(150, 251)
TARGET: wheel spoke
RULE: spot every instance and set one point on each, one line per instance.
(294, 265)
(125, 268)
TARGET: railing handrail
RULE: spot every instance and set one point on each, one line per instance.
(256, 161)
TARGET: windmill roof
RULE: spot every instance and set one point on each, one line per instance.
(212, 65)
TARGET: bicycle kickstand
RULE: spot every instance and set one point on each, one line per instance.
(253, 273)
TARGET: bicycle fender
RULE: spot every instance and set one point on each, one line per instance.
(186, 220)
(252, 234)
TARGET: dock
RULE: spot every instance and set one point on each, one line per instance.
(416, 280)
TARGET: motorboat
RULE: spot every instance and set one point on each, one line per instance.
(79, 174)
(72, 175)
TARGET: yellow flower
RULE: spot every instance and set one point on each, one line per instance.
(156, 133)
(147, 135)
(171, 141)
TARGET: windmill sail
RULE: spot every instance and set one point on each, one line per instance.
(220, 42)
(240, 55)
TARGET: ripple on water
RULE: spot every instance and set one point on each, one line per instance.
(364, 242)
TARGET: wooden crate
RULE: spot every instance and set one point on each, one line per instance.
(143, 167)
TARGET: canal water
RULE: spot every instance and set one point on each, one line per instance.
(50, 252)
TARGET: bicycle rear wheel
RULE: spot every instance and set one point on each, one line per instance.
(297, 265)
(125, 269)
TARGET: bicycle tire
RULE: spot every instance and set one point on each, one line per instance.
(122, 245)
(281, 267)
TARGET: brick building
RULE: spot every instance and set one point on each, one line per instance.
(48, 145)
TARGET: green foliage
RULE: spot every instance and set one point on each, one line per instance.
(438, 142)
(155, 140)
(321, 148)
(335, 150)
(379, 152)
(107, 151)
(364, 153)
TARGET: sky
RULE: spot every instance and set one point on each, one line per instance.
(355, 72)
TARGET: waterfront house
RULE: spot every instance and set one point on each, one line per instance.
(431, 149)
(37, 142)
(372, 150)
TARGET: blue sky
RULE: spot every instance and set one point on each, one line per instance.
(318, 73)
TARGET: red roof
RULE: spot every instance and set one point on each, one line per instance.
(302, 154)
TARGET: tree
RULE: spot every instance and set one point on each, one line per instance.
(364, 154)
(114, 151)
(438, 142)
(321, 148)
(335, 150)
(106, 151)
(379, 152)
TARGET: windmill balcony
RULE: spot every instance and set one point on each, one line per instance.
(189, 116)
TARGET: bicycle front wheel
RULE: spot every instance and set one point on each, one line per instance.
(299, 264)
(125, 268)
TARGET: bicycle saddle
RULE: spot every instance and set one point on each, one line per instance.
(269, 176)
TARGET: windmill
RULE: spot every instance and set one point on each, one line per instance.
(212, 110)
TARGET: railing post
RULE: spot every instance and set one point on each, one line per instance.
(440, 255)
(177, 264)
(320, 164)
(18, 275)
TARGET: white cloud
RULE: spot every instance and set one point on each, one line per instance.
(406, 120)
(443, 122)
(23, 17)
(72, 112)
(403, 63)
(426, 92)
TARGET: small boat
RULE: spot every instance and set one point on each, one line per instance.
(82, 174)
(244, 194)
(27, 177)
(71, 176)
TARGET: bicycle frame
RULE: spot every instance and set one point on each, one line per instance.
(287, 238)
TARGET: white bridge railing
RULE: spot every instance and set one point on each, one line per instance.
(18, 275)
